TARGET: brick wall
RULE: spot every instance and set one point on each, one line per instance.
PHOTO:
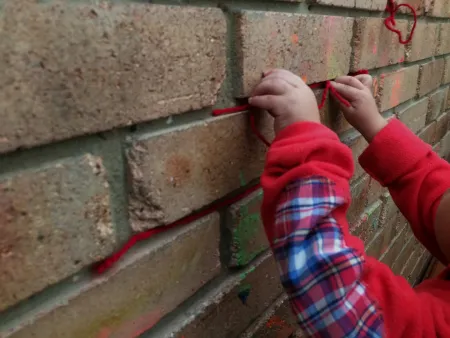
(106, 130)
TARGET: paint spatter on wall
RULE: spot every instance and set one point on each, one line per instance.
(294, 39)
(244, 293)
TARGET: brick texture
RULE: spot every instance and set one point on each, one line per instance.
(141, 290)
(446, 77)
(281, 40)
(415, 115)
(444, 39)
(437, 104)
(440, 8)
(424, 32)
(179, 171)
(397, 87)
(44, 236)
(421, 6)
(442, 126)
(235, 306)
(374, 45)
(83, 68)
(360, 4)
(428, 134)
(357, 144)
(430, 76)
(248, 238)
(369, 223)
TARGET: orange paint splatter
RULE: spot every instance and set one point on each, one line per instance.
(275, 321)
(304, 78)
(294, 39)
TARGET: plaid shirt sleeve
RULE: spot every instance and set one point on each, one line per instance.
(320, 274)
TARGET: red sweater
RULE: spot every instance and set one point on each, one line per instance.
(334, 288)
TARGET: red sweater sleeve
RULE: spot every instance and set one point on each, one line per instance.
(333, 288)
(415, 175)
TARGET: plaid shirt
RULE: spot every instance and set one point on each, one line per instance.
(319, 272)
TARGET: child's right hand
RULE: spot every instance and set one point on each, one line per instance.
(287, 98)
(363, 112)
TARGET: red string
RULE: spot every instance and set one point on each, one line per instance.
(389, 22)
(107, 263)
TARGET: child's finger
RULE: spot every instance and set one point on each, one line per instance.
(272, 86)
(350, 81)
(366, 80)
(267, 102)
(347, 92)
(288, 76)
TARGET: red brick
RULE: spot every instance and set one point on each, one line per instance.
(440, 8)
(375, 46)
(375, 191)
(430, 76)
(286, 40)
(330, 115)
(442, 126)
(421, 6)
(369, 222)
(428, 134)
(45, 236)
(445, 146)
(428, 32)
(278, 321)
(248, 237)
(375, 246)
(395, 246)
(397, 87)
(412, 261)
(357, 144)
(436, 104)
(414, 115)
(444, 39)
(422, 264)
(360, 4)
(84, 68)
(176, 172)
(235, 305)
(142, 289)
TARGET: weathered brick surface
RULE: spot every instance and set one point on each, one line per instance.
(397, 87)
(440, 8)
(44, 235)
(369, 222)
(415, 276)
(421, 6)
(414, 116)
(441, 126)
(235, 306)
(428, 32)
(248, 237)
(430, 76)
(446, 77)
(141, 290)
(360, 4)
(444, 39)
(428, 134)
(406, 252)
(359, 191)
(444, 150)
(316, 47)
(412, 261)
(392, 251)
(330, 114)
(437, 104)
(181, 170)
(357, 144)
(75, 68)
(374, 45)
(278, 321)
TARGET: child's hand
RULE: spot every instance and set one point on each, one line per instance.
(287, 98)
(363, 112)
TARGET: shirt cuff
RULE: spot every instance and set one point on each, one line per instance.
(392, 152)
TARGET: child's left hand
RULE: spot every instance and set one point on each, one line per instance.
(287, 98)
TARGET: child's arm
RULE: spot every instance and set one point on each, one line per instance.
(416, 177)
(334, 289)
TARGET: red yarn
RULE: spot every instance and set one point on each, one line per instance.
(107, 263)
(389, 22)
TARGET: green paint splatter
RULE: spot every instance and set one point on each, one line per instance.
(242, 179)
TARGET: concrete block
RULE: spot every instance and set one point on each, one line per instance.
(430, 76)
(397, 87)
(315, 47)
(143, 288)
(176, 172)
(424, 43)
(53, 222)
(375, 46)
(414, 116)
(76, 68)
(248, 238)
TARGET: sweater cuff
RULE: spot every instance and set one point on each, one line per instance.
(392, 152)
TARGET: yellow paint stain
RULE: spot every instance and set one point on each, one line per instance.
(294, 39)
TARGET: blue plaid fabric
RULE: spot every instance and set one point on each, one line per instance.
(319, 272)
